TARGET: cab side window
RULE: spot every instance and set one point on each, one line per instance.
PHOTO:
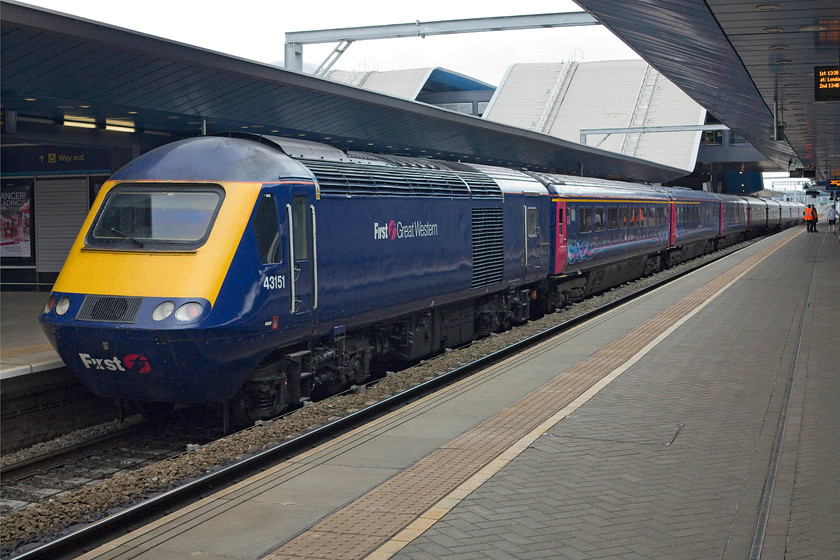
(267, 230)
(531, 217)
(301, 228)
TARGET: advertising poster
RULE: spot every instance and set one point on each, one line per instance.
(16, 218)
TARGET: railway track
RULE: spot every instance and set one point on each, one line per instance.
(65, 469)
(335, 419)
(60, 457)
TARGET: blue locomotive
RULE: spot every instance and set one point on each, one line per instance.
(258, 271)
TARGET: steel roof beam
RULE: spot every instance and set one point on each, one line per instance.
(296, 39)
(584, 132)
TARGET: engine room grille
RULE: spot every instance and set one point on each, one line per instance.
(349, 179)
(107, 309)
(488, 247)
(481, 186)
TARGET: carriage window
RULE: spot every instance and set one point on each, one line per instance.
(623, 214)
(600, 223)
(301, 228)
(660, 216)
(149, 217)
(585, 220)
(267, 230)
(612, 218)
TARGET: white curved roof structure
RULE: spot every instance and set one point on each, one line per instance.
(561, 99)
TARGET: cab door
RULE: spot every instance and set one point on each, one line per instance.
(302, 241)
(531, 233)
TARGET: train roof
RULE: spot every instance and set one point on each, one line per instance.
(512, 181)
(572, 185)
(212, 158)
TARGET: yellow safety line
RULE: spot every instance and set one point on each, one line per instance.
(28, 350)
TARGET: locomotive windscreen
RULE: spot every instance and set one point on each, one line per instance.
(149, 217)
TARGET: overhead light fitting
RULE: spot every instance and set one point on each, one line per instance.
(79, 124)
(79, 121)
(773, 29)
(784, 61)
(778, 47)
(767, 7)
(117, 128)
(119, 125)
(813, 27)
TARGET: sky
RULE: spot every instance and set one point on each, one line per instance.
(254, 29)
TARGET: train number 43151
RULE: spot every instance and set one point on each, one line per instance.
(274, 282)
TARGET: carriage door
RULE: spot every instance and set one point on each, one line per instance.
(533, 258)
(303, 251)
(560, 238)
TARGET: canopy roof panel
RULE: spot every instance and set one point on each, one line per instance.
(56, 66)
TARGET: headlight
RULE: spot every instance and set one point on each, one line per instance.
(62, 306)
(189, 312)
(50, 304)
(163, 310)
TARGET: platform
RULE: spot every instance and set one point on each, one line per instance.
(24, 348)
(698, 421)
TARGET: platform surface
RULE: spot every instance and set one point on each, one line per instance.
(24, 348)
(699, 421)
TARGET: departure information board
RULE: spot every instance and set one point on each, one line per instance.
(827, 83)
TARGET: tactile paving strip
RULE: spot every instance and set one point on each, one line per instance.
(412, 501)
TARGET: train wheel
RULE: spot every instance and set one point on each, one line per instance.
(356, 371)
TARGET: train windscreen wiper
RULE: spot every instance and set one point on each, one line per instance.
(124, 234)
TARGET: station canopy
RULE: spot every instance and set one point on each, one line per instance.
(58, 68)
(751, 64)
